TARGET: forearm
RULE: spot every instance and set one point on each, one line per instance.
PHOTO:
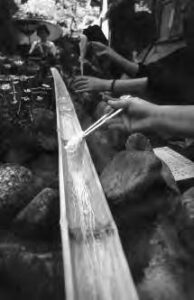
(137, 86)
(127, 66)
(175, 120)
(31, 49)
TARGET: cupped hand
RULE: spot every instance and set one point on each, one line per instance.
(88, 84)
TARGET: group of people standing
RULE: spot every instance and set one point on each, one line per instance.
(166, 85)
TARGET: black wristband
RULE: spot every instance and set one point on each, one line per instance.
(112, 86)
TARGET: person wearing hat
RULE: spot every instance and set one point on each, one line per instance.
(43, 47)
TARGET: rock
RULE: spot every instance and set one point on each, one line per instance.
(185, 221)
(136, 245)
(48, 142)
(18, 156)
(129, 175)
(15, 153)
(165, 277)
(37, 136)
(45, 166)
(31, 275)
(40, 216)
(138, 141)
(16, 190)
(44, 125)
(135, 185)
(161, 284)
(43, 120)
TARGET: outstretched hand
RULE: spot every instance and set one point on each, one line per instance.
(88, 84)
(137, 117)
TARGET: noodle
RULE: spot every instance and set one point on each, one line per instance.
(77, 185)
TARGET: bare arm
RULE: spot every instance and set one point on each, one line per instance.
(52, 48)
(33, 46)
(125, 86)
(144, 116)
(88, 84)
(129, 67)
(176, 120)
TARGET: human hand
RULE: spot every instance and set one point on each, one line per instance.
(102, 50)
(139, 115)
(88, 84)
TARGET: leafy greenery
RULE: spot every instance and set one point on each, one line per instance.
(61, 11)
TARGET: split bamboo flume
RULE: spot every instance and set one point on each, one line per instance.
(95, 267)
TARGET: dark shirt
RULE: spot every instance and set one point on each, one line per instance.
(171, 79)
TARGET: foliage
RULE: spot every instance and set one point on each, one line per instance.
(71, 14)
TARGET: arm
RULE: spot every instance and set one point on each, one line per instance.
(33, 46)
(144, 116)
(88, 84)
(52, 48)
(177, 120)
(129, 67)
(125, 86)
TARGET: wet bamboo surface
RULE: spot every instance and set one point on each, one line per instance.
(95, 266)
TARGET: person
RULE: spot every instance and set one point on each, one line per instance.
(121, 21)
(45, 50)
(8, 33)
(167, 81)
(43, 47)
(142, 116)
(130, 30)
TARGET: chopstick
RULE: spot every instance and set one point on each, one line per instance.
(81, 67)
(101, 122)
(98, 121)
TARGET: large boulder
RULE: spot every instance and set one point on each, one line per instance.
(168, 276)
(21, 146)
(161, 283)
(29, 274)
(44, 125)
(16, 190)
(43, 119)
(40, 216)
(137, 184)
(47, 142)
(45, 166)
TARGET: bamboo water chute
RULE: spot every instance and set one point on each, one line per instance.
(95, 267)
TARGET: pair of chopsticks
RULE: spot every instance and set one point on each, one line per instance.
(101, 121)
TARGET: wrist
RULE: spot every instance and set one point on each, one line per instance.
(156, 117)
(107, 86)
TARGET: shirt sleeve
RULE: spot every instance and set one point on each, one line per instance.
(160, 74)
